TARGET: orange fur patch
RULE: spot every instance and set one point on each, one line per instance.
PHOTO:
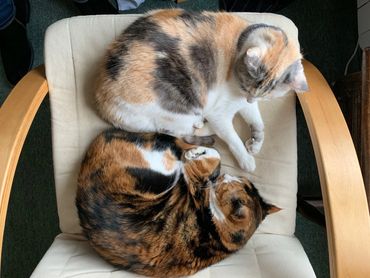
(162, 15)
(169, 160)
(228, 27)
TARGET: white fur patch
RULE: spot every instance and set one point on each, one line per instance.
(228, 178)
(161, 54)
(139, 118)
(202, 153)
(215, 210)
(155, 160)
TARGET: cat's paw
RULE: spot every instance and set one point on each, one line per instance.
(198, 152)
(195, 153)
(253, 146)
(198, 125)
(247, 163)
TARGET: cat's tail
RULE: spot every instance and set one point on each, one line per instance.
(199, 140)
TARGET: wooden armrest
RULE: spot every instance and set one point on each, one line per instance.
(16, 116)
(342, 186)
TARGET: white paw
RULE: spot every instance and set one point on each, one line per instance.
(198, 125)
(194, 153)
(228, 178)
(247, 163)
(202, 152)
(253, 146)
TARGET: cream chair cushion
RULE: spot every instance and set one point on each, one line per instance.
(74, 49)
(264, 256)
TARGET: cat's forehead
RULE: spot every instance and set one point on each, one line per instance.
(279, 59)
(278, 51)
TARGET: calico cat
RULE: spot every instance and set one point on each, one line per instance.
(157, 206)
(172, 70)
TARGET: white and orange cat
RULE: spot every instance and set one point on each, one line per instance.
(173, 71)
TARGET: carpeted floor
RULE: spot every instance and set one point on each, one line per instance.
(328, 35)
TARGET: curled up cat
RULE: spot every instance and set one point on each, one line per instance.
(154, 205)
(187, 74)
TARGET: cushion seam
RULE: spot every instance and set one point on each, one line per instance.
(75, 89)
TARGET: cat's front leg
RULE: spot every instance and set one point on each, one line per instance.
(251, 114)
(224, 129)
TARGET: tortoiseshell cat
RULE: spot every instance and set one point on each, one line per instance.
(157, 206)
(171, 70)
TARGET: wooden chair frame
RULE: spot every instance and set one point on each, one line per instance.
(346, 208)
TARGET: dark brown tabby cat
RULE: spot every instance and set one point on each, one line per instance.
(171, 70)
(154, 205)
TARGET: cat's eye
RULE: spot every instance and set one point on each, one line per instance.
(287, 79)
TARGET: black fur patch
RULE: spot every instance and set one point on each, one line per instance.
(250, 79)
(203, 58)
(253, 192)
(215, 174)
(208, 233)
(163, 142)
(250, 29)
(149, 181)
(137, 31)
(193, 18)
(143, 218)
(175, 85)
(121, 135)
(236, 204)
(141, 29)
(115, 61)
(95, 210)
(238, 237)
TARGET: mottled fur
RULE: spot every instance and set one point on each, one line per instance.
(154, 205)
(171, 70)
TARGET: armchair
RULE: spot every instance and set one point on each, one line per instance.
(70, 61)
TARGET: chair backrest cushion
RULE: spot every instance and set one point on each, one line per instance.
(74, 48)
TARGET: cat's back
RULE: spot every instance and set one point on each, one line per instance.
(169, 51)
(120, 161)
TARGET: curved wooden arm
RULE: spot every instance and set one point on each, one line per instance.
(344, 197)
(16, 116)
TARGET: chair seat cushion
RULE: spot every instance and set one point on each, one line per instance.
(265, 255)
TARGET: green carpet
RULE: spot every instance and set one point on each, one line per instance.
(328, 35)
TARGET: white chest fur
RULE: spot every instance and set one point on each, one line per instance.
(225, 99)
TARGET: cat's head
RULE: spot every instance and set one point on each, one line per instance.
(237, 209)
(268, 64)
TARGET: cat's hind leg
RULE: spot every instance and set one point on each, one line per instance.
(205, 130)
(184, 126)
(199, 140)
(202, 135)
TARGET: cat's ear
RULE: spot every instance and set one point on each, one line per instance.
(298, 81)
(272, 209)
(252, 61)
